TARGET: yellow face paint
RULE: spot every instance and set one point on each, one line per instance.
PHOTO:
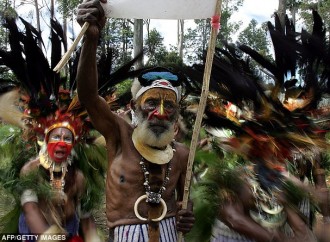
(162, 107)
(159, 93)
(160, 103)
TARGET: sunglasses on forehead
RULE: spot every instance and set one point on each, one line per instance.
(147, 77)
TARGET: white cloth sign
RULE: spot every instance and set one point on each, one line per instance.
(160, 9)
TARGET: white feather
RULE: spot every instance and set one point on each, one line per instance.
(9, 112)
(219, 133)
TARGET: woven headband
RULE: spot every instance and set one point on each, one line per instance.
(162, 83)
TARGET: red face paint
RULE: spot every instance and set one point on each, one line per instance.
(59, 151)
(159, 103)
(60, 142)
(159, 115)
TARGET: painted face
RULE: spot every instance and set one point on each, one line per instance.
(157, 112)
(59, 144)
(159, 103)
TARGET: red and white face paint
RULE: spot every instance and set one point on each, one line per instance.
(159, 103)
(59, 146)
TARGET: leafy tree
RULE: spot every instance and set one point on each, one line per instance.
(6, 10)
(118, 34)
(67, 8)
(172, 58)
(255, 37)
(293, 6)
(123, 87)
(322, 6)
(196, 40)
(227, 28)
(155, 49)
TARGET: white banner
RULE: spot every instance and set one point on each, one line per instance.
(160, 9)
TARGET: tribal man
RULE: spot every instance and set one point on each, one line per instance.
(146, 169)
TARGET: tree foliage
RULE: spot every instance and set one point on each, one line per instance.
(196, 39)
(118, 34)
(67, 7)
(6, 10)
(255, 37)
(155, 49)
(322, 6)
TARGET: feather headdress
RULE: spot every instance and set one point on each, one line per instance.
(43, 100)
(267, 128)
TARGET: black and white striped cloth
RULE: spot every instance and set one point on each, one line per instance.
(139, 232)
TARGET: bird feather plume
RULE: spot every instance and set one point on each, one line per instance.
(9, 112)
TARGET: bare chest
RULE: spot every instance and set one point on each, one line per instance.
(131, 174)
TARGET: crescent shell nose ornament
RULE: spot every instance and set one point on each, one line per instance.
(136, 205)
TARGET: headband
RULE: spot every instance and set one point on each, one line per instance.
(162, 83)
(64, 124)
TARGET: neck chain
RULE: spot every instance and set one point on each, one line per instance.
(155, 197)
(58, 183)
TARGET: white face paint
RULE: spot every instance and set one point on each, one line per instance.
(156, 113)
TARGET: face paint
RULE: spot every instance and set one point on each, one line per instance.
(59, 144)
(159, 103)
(59, 151)
(157, 112)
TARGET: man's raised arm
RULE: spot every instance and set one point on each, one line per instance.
(87, 76)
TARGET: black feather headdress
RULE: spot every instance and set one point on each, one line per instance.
(264, 123)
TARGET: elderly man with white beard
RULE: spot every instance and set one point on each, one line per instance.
(146, 168)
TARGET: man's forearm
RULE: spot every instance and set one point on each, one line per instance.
(89, 230)
(34, 218)
(87, 72)
(252, 230)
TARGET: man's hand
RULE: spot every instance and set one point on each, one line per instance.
(322, 230)
(185, 218)
(92, 12)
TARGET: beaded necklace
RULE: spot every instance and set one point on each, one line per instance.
(155, 197)
(58, 183)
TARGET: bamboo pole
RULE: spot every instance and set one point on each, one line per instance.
(67, 54)
(200, 111)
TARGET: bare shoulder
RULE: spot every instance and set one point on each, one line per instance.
(182, 151)
(117, 136)
(181, 147)
(30, 166)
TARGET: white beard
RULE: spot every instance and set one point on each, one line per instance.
(146, 136)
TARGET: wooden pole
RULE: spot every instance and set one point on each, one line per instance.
(66, 56)
(200, 111)
(155, 173)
